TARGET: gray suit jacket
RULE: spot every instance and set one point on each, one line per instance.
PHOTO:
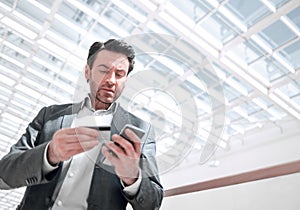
(22, 166)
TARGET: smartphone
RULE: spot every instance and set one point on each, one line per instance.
(138, 131)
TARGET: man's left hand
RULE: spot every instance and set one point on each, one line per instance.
(125, 156)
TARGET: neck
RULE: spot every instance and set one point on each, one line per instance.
(98, 105)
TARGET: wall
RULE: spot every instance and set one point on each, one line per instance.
(269, 146)
(280, 193)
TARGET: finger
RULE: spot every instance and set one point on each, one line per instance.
(67, 140)
(126, 145)
(134, 139)
(86, 145)
(112, 157)
(86, 131)
(80, 145)
(76, 148)
(116, 149)
(77, 138)
(66, 144)
(84, 138)
(67, 133)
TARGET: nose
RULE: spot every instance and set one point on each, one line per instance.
(111, 77)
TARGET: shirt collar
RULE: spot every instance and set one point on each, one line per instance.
(86, 103)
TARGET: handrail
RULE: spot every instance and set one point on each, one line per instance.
(264, 173)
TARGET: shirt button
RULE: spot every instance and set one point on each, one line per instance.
(59, 203)
(141, 200)
(71, 174)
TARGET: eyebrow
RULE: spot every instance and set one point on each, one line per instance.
(105, 66)
(102, 65)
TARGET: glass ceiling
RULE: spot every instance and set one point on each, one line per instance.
(252, 47)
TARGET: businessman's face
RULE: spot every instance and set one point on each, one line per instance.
(107, 78)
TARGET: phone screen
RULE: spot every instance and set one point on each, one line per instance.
(138, 131)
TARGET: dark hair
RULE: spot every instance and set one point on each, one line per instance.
(114, 45)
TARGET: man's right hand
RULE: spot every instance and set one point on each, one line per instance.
(69, 142)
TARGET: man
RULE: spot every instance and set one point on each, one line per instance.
(67, 167)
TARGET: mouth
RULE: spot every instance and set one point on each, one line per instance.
(107, 90)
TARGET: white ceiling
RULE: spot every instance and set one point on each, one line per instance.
(216, 69)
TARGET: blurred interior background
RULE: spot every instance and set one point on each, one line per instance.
(234, 59)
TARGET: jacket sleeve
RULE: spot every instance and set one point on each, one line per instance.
(22, 166)
(150, 193)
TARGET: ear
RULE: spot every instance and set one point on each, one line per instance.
(87, 72)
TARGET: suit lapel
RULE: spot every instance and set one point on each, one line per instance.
(120, 119)
(67, 121)
(70, 114)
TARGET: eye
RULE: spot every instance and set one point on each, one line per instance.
(103, 70)
(120, 73)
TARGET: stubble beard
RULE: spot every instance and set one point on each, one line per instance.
(103, 104)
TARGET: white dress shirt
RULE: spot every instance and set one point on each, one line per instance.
(79, 169)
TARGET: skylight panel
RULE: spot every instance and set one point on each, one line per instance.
(170, 63)
(249, 51)
(20, 106)
(203, 105)
(290, 24)
(22, 30)
(284, 62)
(291, 55)
(24, 99)
(235, 20)
(277, 34)
(28, 91)
(84, 8)
(7, 80)
(157, 27)
(40, 6)
(294, 17)
(237, 85)
(12, 60)
(179, 15)
(182, 29)
(270, 5)
(130, 11)
(278, 3)
(216, 26)
(262, 43)
(268, 70)
(246, 13)
(11, 118)
(230, 93)
(114, 30)
(242, 74)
